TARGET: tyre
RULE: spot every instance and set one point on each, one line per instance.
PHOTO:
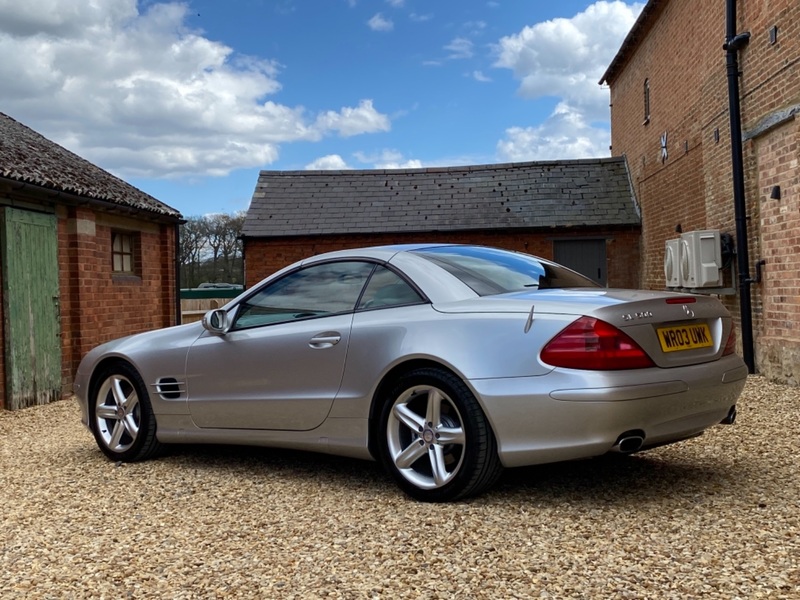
(121, 416)
(434, 438)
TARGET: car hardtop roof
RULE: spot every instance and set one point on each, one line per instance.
(384, 252)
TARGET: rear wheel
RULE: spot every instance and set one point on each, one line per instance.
(122, 418)
(435, 439)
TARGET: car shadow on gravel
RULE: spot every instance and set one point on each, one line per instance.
(272, 462)
(614, 478)
(618, 479)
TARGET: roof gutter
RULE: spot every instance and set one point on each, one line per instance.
(733, 43)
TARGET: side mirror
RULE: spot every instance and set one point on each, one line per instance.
(216, 321)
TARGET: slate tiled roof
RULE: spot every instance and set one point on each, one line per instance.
(29, 157)
(591, 192)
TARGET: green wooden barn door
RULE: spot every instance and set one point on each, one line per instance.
(31, 308)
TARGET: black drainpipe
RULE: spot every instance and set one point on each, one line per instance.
(734, 43)
(178, 311)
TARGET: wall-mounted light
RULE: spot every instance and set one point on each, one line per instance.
(775, 193)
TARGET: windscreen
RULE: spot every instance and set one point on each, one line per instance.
(490, 271)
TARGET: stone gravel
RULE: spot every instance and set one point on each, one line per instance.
(713, 517)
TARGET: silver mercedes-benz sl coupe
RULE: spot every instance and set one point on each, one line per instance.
(446, 363)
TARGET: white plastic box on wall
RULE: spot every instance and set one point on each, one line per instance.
(700, 259)
(672, 263)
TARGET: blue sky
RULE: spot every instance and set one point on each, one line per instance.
(189, 100)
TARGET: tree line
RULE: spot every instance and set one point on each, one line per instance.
(211, 250)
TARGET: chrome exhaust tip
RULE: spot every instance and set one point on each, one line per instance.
(629, 442)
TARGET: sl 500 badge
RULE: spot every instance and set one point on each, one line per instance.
(637, 315)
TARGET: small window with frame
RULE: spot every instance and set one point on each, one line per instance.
(646, 99)
(123, 253)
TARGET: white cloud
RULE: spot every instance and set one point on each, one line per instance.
(331, 162)
(564, 135)
(143, 94)
(396, 3)
(479, 76)
(61, 19)
(420, 18)
(409, 164)
(388, 159)
(354, 121)
(475, 27)
(565, 58)
(459, 48)
(380, 23)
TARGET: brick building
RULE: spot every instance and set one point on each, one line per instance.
(85, 258)
(580, 212)
(670, 118)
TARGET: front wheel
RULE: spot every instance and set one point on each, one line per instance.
(435, 439)
(121, 417)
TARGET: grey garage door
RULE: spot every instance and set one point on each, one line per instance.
(584, 256)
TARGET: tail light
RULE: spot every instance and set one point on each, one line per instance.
(730, 345)
(592, 344)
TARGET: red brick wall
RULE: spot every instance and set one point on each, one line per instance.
(681, 54)
(678, 57)
(265, 256)
(779, 351)
(98, 306)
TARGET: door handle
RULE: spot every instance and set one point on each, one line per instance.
(327, 339)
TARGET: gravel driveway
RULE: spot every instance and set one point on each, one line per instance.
(717, 517)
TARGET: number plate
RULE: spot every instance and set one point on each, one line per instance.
(684, 337)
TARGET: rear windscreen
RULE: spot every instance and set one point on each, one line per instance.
(491, 271)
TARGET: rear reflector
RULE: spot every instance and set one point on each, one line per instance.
(592, 344)
(686, 300)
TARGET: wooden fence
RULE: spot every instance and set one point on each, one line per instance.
(197, 302)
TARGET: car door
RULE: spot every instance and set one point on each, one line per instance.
(281, 362)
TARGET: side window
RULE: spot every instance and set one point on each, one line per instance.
(316, 291)
(386, 288)
(124, 252)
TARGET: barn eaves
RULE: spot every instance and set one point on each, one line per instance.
(42, 168)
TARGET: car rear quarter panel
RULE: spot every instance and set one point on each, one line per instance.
(472, 345)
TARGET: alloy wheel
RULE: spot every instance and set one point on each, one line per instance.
(117, 413)
(425, 437)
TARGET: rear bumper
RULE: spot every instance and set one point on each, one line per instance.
(569, 414)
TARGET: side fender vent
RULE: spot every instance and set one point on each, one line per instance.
(170, 388)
